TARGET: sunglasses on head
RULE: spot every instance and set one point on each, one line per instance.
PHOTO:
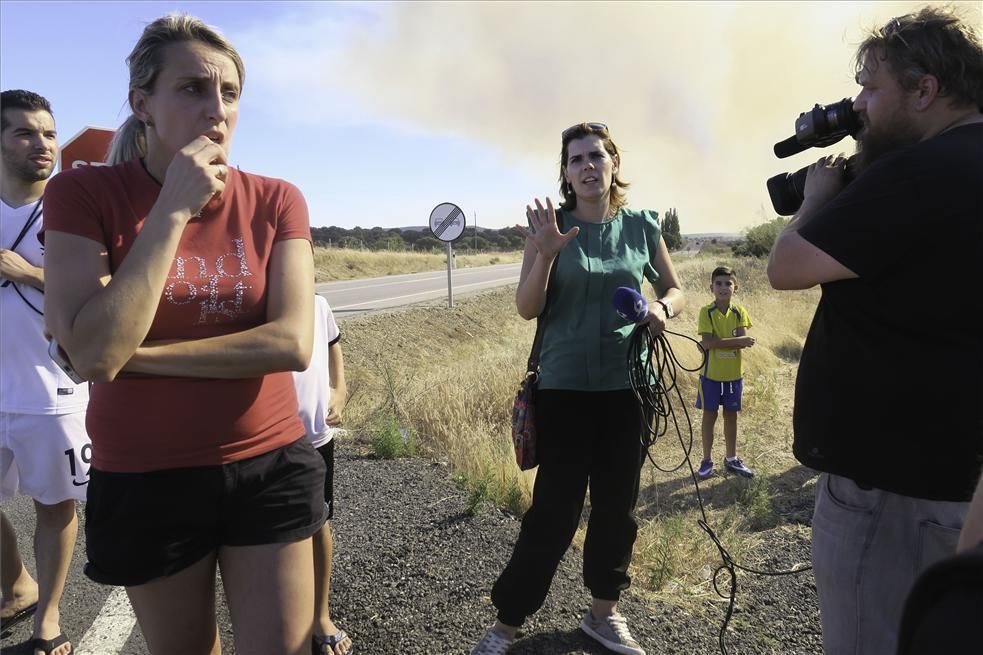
(598, 127)
(894, 29)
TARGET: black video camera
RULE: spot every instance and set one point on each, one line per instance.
(821, 127)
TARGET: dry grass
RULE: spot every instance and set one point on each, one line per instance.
(450, 376)
(344, 264)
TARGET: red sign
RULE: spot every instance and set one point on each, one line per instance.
(87, 148)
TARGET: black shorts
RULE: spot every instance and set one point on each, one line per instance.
(327, 454)
(143, 526)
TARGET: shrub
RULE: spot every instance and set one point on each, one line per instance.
(755, 497)
(514, 501)
(479, 491)
(658, 552)
(390, 441)
(760, 238)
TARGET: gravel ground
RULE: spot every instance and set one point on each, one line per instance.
(413, 572)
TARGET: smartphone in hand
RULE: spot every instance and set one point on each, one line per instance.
(58, 356)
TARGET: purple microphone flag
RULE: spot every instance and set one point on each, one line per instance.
(630, 304)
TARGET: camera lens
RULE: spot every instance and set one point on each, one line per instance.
(787, 191)
(840, 117)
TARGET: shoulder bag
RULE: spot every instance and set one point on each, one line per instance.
(524, 405)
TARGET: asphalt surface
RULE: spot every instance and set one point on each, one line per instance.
(352, 297)
(83, 599)
(413, 570)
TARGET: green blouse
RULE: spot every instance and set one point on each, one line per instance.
(585, 342)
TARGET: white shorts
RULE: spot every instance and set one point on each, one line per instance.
(44, 456)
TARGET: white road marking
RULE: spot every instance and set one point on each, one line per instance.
(108, 633)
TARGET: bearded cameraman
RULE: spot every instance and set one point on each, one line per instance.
(888, 394)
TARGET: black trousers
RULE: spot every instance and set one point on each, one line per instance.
(584, 438)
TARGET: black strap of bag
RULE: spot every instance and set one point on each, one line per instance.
(34, 216)
(532, 366)
(31, 220)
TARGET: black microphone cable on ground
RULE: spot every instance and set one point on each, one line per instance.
(653, 377)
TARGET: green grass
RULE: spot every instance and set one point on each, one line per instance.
(657, 550)
(479, 491)
(506, 493)
(755, 498)
(390, 441)
(513, 498)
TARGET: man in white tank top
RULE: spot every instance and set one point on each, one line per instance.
(44, 450)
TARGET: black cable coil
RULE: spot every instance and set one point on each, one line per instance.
(652, 369)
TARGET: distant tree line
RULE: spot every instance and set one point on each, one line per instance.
(377, 238)
(486, 240)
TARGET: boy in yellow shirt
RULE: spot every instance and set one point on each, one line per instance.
(722, 326)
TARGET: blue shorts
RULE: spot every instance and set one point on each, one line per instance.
(713, 394)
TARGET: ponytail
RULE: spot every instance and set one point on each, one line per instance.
(129, 142)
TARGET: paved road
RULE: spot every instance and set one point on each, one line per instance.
(99, 614)
(98, 619)
(352, 297)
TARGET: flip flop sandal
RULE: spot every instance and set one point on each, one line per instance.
(18, 616)
(46, 646)
(318, 643)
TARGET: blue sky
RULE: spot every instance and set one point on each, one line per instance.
(380, 111)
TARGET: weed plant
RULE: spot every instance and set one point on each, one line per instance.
(390, 441)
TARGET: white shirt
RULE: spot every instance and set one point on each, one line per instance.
(313, 386)
(30, 383)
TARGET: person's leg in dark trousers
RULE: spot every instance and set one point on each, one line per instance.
(616, 461)
(565, 421)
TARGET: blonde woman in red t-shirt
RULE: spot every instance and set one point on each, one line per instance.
(182, 288)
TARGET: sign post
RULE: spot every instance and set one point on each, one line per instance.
(447, 224)
(87, 148)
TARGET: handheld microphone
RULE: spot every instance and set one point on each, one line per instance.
(630, 304)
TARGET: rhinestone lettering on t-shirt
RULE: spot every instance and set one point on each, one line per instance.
(185, 287)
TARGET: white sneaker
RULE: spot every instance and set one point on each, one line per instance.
(612, 631)
(493, 643)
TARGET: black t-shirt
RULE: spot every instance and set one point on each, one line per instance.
(890, 384)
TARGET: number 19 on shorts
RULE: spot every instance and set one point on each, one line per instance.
(79, 475)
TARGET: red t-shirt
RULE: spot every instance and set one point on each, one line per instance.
(217, 285)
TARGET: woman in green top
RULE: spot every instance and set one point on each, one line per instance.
(589, 421)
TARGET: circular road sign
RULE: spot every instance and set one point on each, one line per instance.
(447, 222)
